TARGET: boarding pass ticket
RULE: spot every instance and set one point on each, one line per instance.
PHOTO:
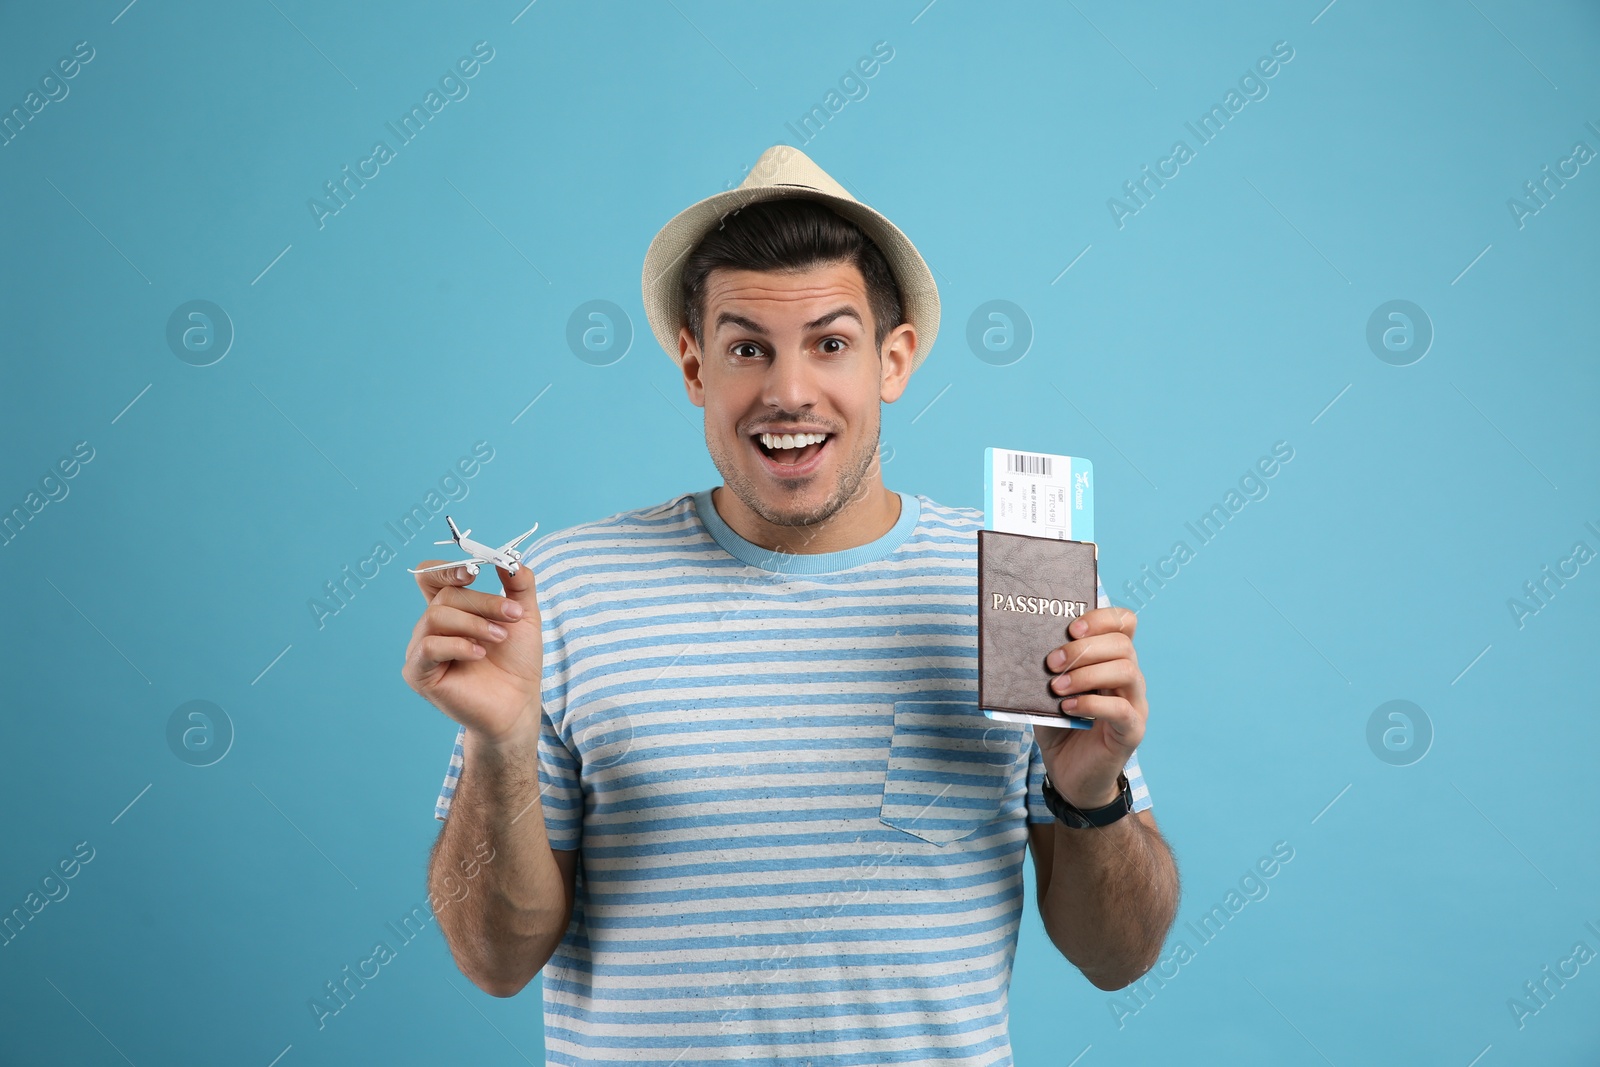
(1038, 493)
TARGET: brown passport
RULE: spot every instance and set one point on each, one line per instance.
(1030, 589)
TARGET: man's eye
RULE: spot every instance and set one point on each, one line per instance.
(839, 343)
(746, 350)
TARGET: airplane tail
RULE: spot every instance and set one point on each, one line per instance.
(455, 534)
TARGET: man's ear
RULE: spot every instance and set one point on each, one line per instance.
(894, 370)
(689, 360)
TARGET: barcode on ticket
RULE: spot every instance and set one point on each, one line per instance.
(1022, 463)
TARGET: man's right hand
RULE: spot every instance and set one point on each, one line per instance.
(477, 657)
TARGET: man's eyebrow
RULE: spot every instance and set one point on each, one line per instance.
(728, 318)
(838, 312)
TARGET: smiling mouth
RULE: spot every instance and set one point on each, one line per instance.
(791, 450)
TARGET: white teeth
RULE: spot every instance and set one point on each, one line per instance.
(792, 440)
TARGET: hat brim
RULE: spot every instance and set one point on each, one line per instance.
(664, 261)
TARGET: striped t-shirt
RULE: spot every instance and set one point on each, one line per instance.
(801, 841)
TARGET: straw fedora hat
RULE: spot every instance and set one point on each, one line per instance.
(782, 171)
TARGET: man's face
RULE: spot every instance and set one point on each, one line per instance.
(787, 353)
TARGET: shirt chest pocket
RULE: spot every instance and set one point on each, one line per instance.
(951, 770)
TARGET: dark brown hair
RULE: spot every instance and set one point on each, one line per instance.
(789, 235)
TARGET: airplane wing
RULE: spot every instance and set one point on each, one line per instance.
(509, 545)
(447, 566)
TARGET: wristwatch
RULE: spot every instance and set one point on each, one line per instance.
(1078, 819)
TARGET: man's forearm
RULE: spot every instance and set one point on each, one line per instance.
(1112, 896)
(504, 921)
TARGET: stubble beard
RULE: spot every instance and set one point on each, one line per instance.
(852, 475)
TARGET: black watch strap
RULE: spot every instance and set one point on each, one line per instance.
(1078, 819)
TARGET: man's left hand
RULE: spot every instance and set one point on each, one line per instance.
(1097, 674)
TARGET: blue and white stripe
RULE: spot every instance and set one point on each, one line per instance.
(801, 841)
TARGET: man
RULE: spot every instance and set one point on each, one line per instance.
(724, 778)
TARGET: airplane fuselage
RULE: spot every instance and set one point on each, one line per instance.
(509, 560)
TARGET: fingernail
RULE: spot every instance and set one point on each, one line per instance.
(1078, 627)
(461, 574)
(496, 631)
(1062, 683)
(513, 610)
(1056, 660)
(1069, 703)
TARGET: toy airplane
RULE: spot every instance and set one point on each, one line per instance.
(505, 556)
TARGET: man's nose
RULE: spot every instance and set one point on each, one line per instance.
(790, 383)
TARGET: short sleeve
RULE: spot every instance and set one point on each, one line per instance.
(560, 790)
(1039, 812)
(452, 775)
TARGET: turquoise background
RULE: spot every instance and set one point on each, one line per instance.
(1230, 313)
